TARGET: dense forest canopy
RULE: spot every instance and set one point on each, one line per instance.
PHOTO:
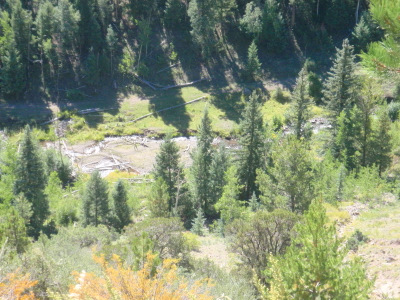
(286, 187)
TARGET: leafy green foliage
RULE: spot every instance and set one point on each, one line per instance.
(265, 233)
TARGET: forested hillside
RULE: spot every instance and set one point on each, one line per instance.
(224, 149)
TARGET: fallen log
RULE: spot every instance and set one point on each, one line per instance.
(168, 108)
(169, 67)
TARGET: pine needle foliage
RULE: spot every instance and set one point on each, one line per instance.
(340, 86)
(30, 181)
(316, 265)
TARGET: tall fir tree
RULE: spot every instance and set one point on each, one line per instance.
(348, 139)
(12, 73)
(252, 142)
(316, 265)
(229, 205)
(122, 211)
(382, 142)
(340, 86)
(21, 22)
(300, 108)
(219, 165)
(159, 199)
(203, 20)
(253, 66)
(289, 183)
(95, 201)
(30, 181)
(200, 169)
(168, 168)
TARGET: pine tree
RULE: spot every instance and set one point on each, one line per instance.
(13, 230)
(198, 224)
(347, 141)
(121, 208)
(159, 199)
(21, 22)
(254, 205)
(200, 169)
(316, 265)
(300, 107)
(382, 144)
(92, 70)
(168, 168)
(112, 40)
(229, 205)
(251, 154)
(30, 181)
(274, 30)
(219, 165)
(289, 183)
(251, 22)
(253, 66)
(12, 74)
(203, 21)
(340, 87)
(383, 56)
(95, 201)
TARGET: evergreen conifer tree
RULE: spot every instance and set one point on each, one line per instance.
(198, 224)
(289, 183)
(229, 205)
(168, 168)
(382, 142)
(159, 199)
(300, 107)
(253, 66)
(252, 142)
(316, 265)
(203, 21)
(21, 22)
(92, 69)
(200, 169)
(340, 87)
(274, 30)
(254, 205)
(347, 141)
(30, 181)
(95, 201)
(121, 208)
(12, 74)
(219, 165)
(13, 230)
(251, 22)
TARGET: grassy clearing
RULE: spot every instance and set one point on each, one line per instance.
(382, 253)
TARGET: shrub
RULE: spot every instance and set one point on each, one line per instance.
(265, 233)
(356, 239)
(393, 111)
